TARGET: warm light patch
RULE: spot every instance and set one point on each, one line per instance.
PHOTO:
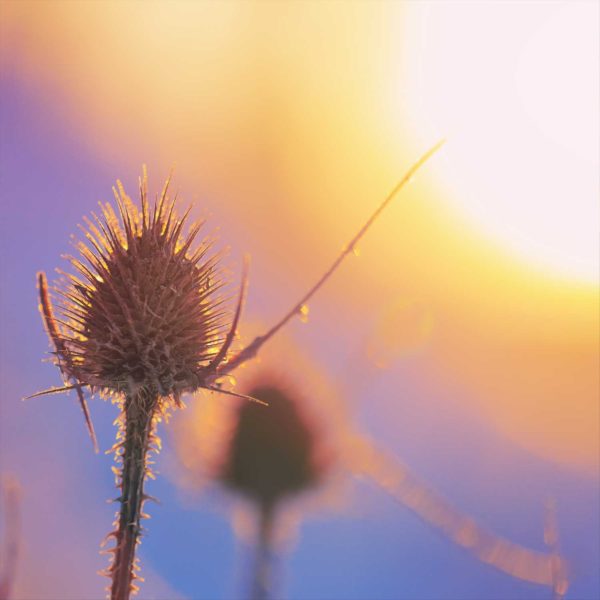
(515, 88)
(295, 147)
(402, 329)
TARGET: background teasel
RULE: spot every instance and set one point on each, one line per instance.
(142, 323)
(307, 441)
(273, 466)
(272, 457)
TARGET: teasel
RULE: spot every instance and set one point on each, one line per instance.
(272, 456)
(268, 469)
(142, 322)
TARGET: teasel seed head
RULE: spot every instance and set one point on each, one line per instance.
(273, 456)
(273, 453)
(142, 312)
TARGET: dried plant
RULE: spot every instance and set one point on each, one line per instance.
(276, 465)
(272, 455)
(141, 322)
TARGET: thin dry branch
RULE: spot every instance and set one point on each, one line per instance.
(252, 349)
(397, 480)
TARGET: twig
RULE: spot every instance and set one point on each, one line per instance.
(252, 349)
(513, 559)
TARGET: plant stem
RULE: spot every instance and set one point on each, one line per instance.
(263, 560)
(251, 350)
(432, 508)
(139, 413)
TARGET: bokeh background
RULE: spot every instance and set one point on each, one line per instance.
(464, 337)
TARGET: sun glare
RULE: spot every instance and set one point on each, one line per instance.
(516, 92)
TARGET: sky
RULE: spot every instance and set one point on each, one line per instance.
(463, 339)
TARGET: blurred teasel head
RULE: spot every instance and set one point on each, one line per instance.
(266, 457)
(274, 453)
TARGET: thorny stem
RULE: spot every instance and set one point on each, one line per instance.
(11, 540)
(139, 411)
(262, 577)
(252, 349)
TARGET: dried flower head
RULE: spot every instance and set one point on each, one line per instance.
(143, 312)
(272, 453)
(276, 464)
(271, 456)
(268, 455)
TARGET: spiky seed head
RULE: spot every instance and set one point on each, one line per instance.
(142, 311)
(273, 451)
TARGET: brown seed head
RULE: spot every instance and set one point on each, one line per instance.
(273, 451)
(142, 311)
